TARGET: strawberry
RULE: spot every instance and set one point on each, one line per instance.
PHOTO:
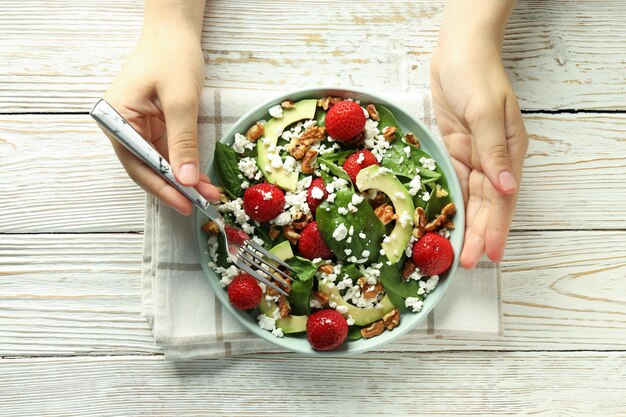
(345, 120)
(263, 202)
(326, 329)
(313, 193)
(357, 161)
(234, 235)
(433, 254)
(244, 292)
(311, 245)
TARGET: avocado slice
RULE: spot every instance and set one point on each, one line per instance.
(303, 110)
(361, 316)
(374, 177)
(291, 324)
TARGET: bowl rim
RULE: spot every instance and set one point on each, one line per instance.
(452, 178)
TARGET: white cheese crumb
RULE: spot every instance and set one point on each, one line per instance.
(276, 111)
(428, 163)
(362, 235)
(340, 232)
(317, 193)
(342, 309)
(426, 196)
(414, 303)
(342, 210)
(242, 143)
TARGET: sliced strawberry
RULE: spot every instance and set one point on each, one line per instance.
(311, 245)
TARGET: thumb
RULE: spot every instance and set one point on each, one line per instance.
(180, 108)
(488, 132)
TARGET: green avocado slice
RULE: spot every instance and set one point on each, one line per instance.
(361, 316)
(383, 180)
(303, 110)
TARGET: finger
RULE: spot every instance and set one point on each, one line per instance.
(500, 218)
(150, 181)
(463, 172)
(474, 245)
(517, 137)
(488, 130)
(180, 107)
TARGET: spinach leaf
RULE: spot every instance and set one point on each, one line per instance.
(228, 169)
(363, 220)
(339, 157)
(395, 287)
(303, 267)
(388, 119)
(351, 271)
(222, 255)
(334, 169)
(320, 116)
(300, 297)
(354, 333)
(401, 164)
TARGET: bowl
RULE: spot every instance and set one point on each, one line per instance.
(428, 141)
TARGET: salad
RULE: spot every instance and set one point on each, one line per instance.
(351, 202)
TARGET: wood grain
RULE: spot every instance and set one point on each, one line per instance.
(77, 294)
(543, 384)
(63, 166)
(66, 63)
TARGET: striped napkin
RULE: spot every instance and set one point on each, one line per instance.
(186, 317)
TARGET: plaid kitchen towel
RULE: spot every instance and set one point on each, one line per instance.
(188, 320)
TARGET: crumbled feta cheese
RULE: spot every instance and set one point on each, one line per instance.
(228, 274)
(347, 251)
(342, 309)
(445, 233)
(405, 219)
(414, 303)
(317, 193)
(340, 232)
(242, 143)
(236, 208)
(268, 323)
(289, 164)
(282, 219)
(266, 195)
(249, 168)
(415, 185)
(407, 151)
(365, 253)
(362, 235)
(275, 160)
(315, 303)
(332, 304)
(276, 111)
(360, 158)
(350, 321)
(357, 199)
(342, 210)
(426, 196)
(428, 163)
(400, 196)
(245, 185)
(351, 231)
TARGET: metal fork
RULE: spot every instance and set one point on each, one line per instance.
(244, 252)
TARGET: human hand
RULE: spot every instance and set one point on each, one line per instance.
(157, 91)
(482, 128)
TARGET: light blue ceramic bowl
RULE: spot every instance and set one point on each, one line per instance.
(429, 143)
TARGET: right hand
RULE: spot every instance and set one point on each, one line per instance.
(157, 91)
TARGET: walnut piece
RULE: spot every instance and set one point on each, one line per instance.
(371, 110)
(384, 213)
(379, 199)
(287, 104)
(321, 297)
(312, 134)
(407, 269)
(291, 234)
(307, 161)
(419, 220)
(326, 268)
(273, 232)
(302, 221)
(210, 228)
(389, 133)
(255, 132)
(299, 150)
(369, 291)
(440, 192)
(283, 306)
(373, 329)
(448, 224)
(392, 319)
(410, 138)
(446, 212)
(327, 102)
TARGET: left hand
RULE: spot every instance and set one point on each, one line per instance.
(482, 127)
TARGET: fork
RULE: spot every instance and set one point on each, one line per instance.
(244, 252)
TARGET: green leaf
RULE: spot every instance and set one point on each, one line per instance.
(351, 271)
(320, 116)
(388, 119)
(363, 220)
(300, 297)
(334, 169)
(395, 287)
(303, 267)
(338, 157)
(222, 254)
(401, 164)
(354, 333)
(228, 169)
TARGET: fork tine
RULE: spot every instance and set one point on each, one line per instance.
(261, 268)
(255, 275)
(272, 267)
(269, 254)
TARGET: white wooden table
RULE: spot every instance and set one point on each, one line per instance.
(72, 341)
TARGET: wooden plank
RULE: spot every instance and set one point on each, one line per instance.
(475, 383)
(64, 167)
(80, 295)
(559, 54)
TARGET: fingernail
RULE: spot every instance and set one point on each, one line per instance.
(507, 181)
(188, 173)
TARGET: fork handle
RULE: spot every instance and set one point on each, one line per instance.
(122, 131)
